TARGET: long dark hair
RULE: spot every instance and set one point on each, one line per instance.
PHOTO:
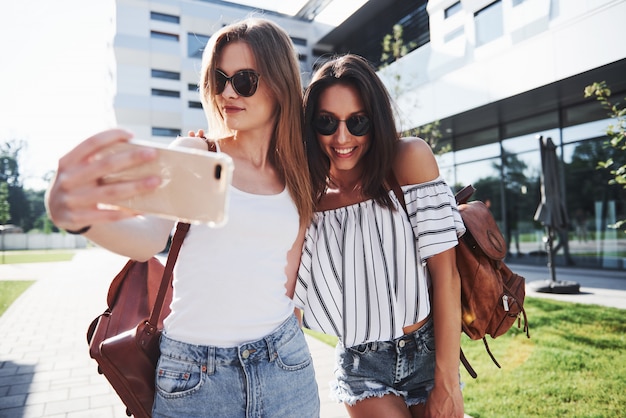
(356, 71)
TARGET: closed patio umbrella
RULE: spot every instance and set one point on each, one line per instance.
(552, 213)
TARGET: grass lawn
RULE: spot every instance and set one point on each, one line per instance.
(574, 365)
(16, 257)
(10, 290)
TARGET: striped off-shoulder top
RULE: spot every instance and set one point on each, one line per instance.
(363, 274)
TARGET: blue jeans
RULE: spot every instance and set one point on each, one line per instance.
(271, 377)
(404, 367)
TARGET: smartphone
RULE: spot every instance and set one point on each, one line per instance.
(194, 183)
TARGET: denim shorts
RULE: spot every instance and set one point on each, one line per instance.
(271, 377)
(404, 367)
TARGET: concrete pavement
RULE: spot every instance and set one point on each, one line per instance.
(45, 369)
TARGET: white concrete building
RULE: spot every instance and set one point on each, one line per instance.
(158, 49)
(493, 74)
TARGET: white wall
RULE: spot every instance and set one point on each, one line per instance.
(41, 241)
(136, 54)
(447, 78)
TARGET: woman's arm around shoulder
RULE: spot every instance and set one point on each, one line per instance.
(293, 261)
(414, 162)
(192, 140)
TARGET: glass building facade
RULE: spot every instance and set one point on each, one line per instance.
(495, 75)
(504, 166)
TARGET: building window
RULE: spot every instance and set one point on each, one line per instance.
(192, 87)
(171, 132)
(302, 57)
(194, 104)
(488, 23)
(517, 2)
(299, 41)
(454, 34)
(165, 93)
(452, 10)
(196, 44)
(163, 36)
(170, 75)
(164, 17)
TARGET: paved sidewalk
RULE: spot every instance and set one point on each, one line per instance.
(45, 370)
(598, 287)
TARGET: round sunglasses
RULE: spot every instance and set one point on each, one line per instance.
(357, 125)
(244, 82)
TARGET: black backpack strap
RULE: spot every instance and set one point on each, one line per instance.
(468, 366)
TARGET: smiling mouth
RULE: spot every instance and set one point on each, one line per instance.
(344, 151)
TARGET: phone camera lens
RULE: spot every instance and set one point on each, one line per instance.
(218, 171)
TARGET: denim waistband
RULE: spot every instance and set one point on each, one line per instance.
(405, 341)
(254, 351)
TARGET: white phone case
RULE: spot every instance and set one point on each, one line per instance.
(194, 188)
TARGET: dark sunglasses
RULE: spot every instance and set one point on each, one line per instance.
(244, 82)
(358, 125)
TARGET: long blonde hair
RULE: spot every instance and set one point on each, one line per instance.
(277, 61)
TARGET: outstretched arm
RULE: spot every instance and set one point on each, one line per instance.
(73, 196)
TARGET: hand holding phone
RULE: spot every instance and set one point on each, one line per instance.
(194, 184)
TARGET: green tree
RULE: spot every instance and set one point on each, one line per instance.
(5, 212)
(394, 48)
(20, 209)
(9, 166)
(616, 132)
(38, 218)
(5, 206)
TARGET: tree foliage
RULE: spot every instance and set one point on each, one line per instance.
(24, 207)
(5, 207)
(394, 48)
(9, 166)
(616, 132)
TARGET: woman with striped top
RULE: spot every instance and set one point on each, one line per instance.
(384, 283)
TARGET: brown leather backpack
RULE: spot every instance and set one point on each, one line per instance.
(492, 296)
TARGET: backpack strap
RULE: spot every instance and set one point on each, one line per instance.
(211, 145)
(463, 195)
(166, 280)
(468, 366)
(177, 242)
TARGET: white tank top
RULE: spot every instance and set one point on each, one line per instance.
(229, 282)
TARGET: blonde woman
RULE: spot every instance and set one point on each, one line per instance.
(232, 346)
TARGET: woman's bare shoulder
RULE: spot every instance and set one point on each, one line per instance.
(414, 162)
